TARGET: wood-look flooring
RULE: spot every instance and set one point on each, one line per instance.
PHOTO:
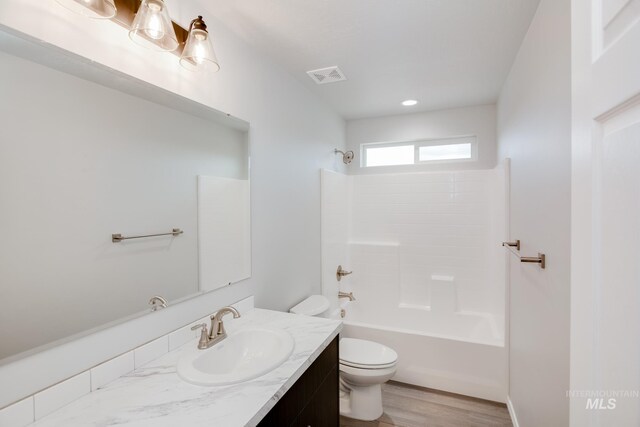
(411, 406)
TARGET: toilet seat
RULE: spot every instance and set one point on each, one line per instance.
(363, 366)
(363, 354)
(367, 374)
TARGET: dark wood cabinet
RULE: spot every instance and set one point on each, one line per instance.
(313, 401)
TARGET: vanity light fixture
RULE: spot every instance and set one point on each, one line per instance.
(97, 9)
(198, 53)
(152, 27)
(409, 102)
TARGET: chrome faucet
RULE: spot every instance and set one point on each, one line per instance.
(157, 302)
(217, 326)
(346, 295)
(218, 333)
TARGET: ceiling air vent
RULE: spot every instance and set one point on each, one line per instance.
(327, 75)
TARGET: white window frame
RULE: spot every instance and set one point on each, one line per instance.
(430, 142)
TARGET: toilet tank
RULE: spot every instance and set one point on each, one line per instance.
(315, 305)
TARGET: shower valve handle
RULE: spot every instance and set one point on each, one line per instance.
(341, 273)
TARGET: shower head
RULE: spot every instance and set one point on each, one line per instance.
(346, 157)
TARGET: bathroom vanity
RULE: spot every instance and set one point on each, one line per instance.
(313, 399)
(303, 390)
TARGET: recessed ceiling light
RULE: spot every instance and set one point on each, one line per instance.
(409, 102)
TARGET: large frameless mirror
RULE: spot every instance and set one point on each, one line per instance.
(112, 192)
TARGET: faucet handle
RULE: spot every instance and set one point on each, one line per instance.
(341, 272)
(204, 335)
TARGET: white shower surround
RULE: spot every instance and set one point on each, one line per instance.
(428, 272)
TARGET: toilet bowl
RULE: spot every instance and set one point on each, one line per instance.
(364, 367)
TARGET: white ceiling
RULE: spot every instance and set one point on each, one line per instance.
(445, 53)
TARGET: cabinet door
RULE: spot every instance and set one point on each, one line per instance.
(311, 386)
(324, 408)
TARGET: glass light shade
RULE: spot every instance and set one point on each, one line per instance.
(97, 9)
(152, 27)
(198, 53)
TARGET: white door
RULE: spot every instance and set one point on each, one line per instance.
(605, 281)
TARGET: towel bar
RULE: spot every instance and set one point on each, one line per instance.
(540, 259)
(116, 238)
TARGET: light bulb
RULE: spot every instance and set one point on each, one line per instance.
(199, 54)
(200, 51)
(154, 27)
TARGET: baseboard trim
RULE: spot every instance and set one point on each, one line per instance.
(512, 412)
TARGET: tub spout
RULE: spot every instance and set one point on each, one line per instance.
(347, 295)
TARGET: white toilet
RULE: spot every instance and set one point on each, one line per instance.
(364, 367)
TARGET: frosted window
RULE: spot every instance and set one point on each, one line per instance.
(390, 156)
(445, 152)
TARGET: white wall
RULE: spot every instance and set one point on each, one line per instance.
(292, 136)
(479, 120)
(534, 130)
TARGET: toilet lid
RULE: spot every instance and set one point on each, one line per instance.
(363, 353)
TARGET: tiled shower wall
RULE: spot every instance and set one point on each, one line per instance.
(427, 240)
(448, 227)
(335, 226)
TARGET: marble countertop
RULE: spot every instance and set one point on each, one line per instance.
(155, 396)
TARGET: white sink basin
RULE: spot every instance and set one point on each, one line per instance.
(244, 355)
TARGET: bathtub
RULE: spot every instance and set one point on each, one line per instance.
(428, 272)
(466, 356)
